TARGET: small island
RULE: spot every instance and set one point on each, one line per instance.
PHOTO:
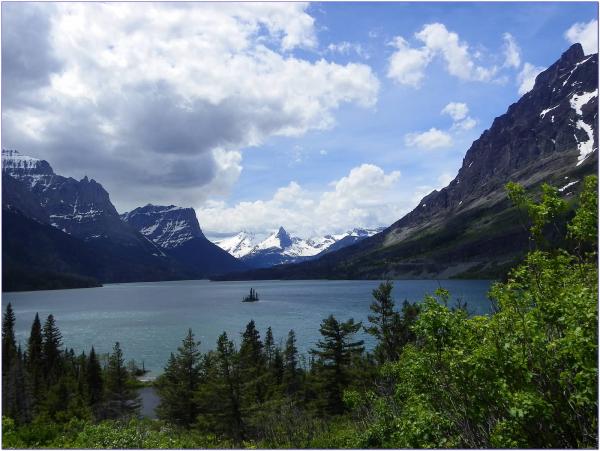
(252, 297)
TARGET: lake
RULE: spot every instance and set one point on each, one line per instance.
(151, 319)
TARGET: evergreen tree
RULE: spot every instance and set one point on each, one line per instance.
(290, 371)
(95, 384)
(181, 380)
(121, 399)
(51, 343)
(269, 346)
(384, 323)
(252, 367)
(335, 353)
(35, 362)
(9, 344)
(222, 395)
(16, 396)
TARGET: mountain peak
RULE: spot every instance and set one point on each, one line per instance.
(284, 237)
(572, 54)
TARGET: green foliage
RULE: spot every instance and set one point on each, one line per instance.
(584, 226)
(544, 214)
(526, 376)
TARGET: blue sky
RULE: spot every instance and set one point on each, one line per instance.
(318, 117)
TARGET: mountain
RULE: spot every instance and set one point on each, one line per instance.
(177, 232)
(60, 232)
(469, 228)
(281, 248)
(238, 245)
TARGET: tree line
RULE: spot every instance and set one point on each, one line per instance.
(47, 383)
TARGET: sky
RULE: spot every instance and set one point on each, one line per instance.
(319, 117)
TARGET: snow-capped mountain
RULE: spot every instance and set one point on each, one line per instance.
(176, 230)
(280, 247)
(238, 245)
(167, 227)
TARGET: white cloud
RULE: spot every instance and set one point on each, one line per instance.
(526, 78)
(586, 34)
(456, 110)
(346, 48)
(431, 139)
(362, 198)
(407, 65)
(459, 112)
(512, 52)
(165, 96)
(466, 124)
(459, 63)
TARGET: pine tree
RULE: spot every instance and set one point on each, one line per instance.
(35, 360)
(252, 367)
(227, 389)
(121, 399)
(384, 323)
(95, 384)
(335, 353)
(9, 344)
(269, 346)
(290, 372)
(179, 384)
(16, 396)
(51, 343)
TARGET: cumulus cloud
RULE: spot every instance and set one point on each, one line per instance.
(526, 78)
(428, 140)
(584, 33)
(359, 198)
(459, 112)
(160, 99)
(407, 65)
(456, 110)
(512, 52)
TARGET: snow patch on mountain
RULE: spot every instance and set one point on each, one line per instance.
(579, 100)
(585, 147)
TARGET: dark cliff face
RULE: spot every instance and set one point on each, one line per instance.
(538, 135)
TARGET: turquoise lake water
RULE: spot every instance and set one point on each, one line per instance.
(150, 319)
